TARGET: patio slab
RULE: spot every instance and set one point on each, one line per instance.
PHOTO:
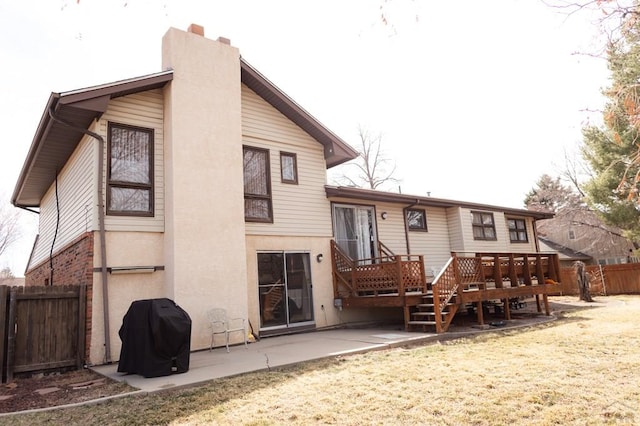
(268, 353)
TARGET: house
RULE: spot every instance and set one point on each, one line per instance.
(567, 256)
(581, 231)
(206, 184)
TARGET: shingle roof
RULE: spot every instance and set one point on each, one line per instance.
(416, 200)
(54, 142)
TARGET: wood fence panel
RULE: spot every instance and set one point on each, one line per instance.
(622, 279)
(4, 317)
(604, 279)
(44, 328)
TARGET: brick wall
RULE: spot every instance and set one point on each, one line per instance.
(73, 265)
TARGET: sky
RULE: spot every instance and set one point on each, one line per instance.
(474, 101)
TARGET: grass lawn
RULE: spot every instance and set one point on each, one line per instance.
(583, 369)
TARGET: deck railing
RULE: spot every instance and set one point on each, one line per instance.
(396, 274)
(444, 287)
(516, 269)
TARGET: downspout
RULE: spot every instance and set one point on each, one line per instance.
(535, 234)
(103, 244)
(406, 224)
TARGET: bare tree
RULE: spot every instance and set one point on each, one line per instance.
(9, 226)
(583, 281)
(372, 169)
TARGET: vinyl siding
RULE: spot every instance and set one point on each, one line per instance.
(502, 243)
(456, 234)
(433, 245)
(298, 210)
(391, 230)
(143, 109)
(75, 200)
(530, 245)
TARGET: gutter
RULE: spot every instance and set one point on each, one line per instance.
(103, 244)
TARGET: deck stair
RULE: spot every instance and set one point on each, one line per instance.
(423, 315)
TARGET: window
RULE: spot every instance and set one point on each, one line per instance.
(288, 168)
(572, 234)
(257, 185)
(130, 170)
(517, 230)
(483, 226)
(416, 219)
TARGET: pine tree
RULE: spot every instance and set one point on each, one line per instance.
(613, 150)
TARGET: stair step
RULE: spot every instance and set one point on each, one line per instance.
(431, 305)
(422, 323)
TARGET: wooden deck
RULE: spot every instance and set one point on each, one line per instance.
(400, 281)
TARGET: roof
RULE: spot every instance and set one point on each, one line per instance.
(415, 200)
(565, 253)
(54, 142)
(336, 151)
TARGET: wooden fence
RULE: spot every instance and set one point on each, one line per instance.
(604, 279)
(42, 328)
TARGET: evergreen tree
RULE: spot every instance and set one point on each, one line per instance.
(613, 150)
(550, 195)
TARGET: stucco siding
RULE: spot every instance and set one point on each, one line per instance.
(298, 209)
(74, 202)
(124, 249)
(143, 109)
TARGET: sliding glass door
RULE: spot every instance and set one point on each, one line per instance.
(284, 286)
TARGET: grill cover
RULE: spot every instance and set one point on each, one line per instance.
(156, 339)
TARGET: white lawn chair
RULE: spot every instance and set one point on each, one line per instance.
(220, 324)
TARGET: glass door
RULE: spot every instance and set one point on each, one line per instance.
(354, 230)
(285, 290)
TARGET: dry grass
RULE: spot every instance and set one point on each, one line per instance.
(583, 369)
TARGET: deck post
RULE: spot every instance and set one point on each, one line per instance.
(540, 269)
(423, 274)
(513, 274)
(507, 309)
(399, 279)
(480, 312)
(407, 317)
(545, 297)
(497, 272)
(436, 308)
(526, 269)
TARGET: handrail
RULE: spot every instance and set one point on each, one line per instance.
(339, 258)
(380, 275)
(384, 250)
(444, 287)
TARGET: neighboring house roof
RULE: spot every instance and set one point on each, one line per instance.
(12, 282)
(414, 201)
(54, 142)
(565, 253)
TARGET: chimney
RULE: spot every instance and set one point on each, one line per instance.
(196, 29)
